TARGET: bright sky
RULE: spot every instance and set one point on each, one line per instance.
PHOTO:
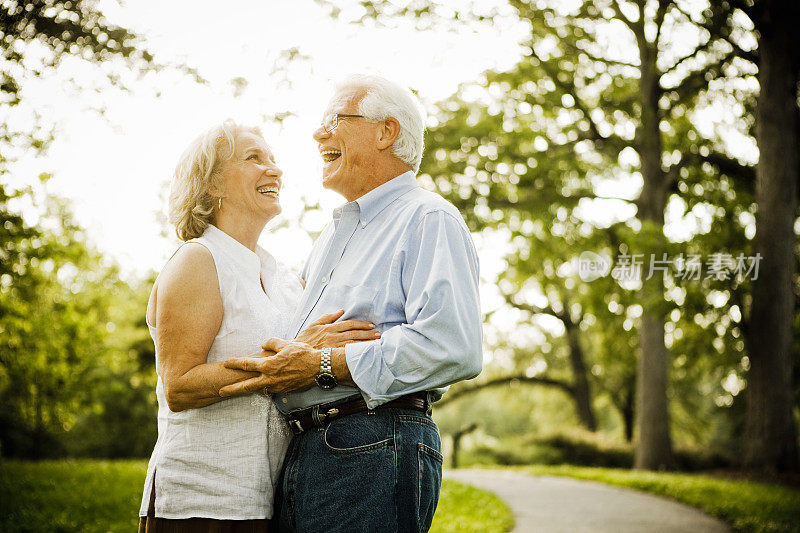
(115, 168)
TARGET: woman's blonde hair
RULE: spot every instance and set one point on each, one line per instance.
(199, 175)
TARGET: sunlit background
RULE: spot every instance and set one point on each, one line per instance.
(261, 60)
(272, 64)
(547, 131)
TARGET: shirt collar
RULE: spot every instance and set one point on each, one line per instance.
(380, 197)
(241, 255)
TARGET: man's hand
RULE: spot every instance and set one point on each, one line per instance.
(326, 332)
(293, 367)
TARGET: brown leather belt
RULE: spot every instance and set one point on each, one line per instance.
(318, 416)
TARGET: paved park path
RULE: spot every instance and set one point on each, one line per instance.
(546, 504)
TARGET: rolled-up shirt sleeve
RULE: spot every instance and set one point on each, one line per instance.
(440, 342)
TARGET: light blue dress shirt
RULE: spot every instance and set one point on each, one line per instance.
(402, 258)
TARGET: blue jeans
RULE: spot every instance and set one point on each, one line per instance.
(377, 471)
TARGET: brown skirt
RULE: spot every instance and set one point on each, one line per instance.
(152, 524)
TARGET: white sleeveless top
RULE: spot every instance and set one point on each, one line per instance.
(222, 461)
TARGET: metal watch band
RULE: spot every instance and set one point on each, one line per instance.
(325, 361)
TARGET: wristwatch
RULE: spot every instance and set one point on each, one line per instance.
(325, 378)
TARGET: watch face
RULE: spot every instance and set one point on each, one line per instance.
(326, 381)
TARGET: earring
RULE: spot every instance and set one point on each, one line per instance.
(219, 204)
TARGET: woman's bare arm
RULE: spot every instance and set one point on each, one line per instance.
(188, 313)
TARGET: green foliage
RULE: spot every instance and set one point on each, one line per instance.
(578, 448)
(508, 411)
(36, 37)
(76, 367)
(104, 496)
(551, 450)
(71, 27)
(121, 421)
(76, 363)
(527, 155)
(749, 507)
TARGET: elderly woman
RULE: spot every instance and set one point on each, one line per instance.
(216, 462)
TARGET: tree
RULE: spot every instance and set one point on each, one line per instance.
(54, 288)
(457, 436)
(605, 90)
(588, 108)
(771, 432)
(76, 367)
(119, 419)
(37, 35)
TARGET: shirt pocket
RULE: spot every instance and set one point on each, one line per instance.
(358, 302)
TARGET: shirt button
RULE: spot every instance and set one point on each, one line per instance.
(285, 400)
(324, 280)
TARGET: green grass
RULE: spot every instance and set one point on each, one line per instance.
(61, 496)
(746, 505)
(466, 509)
(104, 496)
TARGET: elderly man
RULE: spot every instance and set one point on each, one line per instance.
(366, 455)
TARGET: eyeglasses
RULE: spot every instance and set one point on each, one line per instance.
(330, 122)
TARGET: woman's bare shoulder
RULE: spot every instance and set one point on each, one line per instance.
(189, 275)
(191, 264)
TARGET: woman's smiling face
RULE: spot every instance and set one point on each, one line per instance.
(252, 179)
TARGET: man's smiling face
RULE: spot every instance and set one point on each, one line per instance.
(348, 150)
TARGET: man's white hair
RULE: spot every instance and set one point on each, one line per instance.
(384, 99)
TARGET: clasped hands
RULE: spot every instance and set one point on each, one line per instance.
(285, 366)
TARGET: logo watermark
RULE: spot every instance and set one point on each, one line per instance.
(635, 267)
(592, 266)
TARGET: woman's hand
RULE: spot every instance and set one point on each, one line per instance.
(326, 332)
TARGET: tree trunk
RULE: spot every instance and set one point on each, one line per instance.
(771, 438)
(624, 401)
(457, 436)
(653, 447)
(627, 416)
(581, 391)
